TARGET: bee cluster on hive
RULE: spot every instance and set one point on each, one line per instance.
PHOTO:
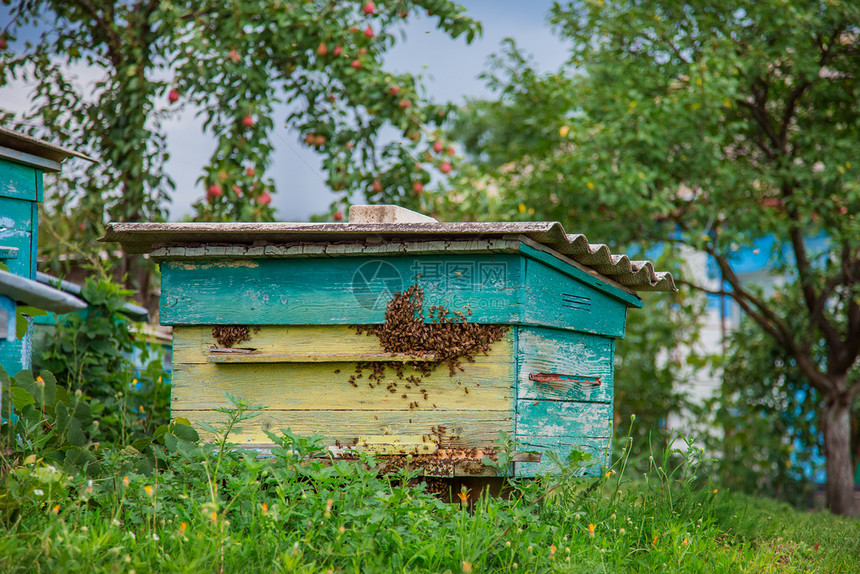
(449, 338)
(229, 335)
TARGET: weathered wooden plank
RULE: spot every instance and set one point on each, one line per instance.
(397, 444)
(362, 249)
(335, 290)
(191, 343)
(23, 242)
(598, 448)
(462, 428)
(563, 419)
(555, 299)
(564, 352)
(19, 157)
(482, 386)
(225, 357)
(34, 234)
(15, 214)
(17, 181)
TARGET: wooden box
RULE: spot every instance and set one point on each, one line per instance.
(297, 292)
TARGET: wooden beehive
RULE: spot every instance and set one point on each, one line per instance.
(297, 291)
(23, 161)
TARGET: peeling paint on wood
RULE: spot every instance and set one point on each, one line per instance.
(334, 291)
(396, 444)
(300, 386)
(191, 344)
(550, 297)
(18, 181)
(234, 356)
(596, 447)
(342, 249)
(536, 418)
(556, 351)
(463, 428)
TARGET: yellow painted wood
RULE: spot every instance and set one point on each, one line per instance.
(256, 357)
(191, 343)
(462, 428)
(481, 386)
(397, 444)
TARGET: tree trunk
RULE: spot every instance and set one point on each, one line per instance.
(837, 448)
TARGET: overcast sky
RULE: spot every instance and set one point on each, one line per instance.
(450, 68)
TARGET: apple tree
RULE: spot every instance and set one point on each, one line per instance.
(232, 63)
(705, 126)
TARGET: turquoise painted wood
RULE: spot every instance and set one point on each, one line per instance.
(337, 290)
(579, 356)
(19, 181)
(15, 213)
(16, 232)
(20, 191)
(555, 299)
(580, 275)
(596, 448)
(553, 419)
(496, 288)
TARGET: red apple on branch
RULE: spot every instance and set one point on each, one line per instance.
(265, 198)
(445, 167)
(248, 121)
(369, 8)
(437, 146)
(338, 216)
(172, 96)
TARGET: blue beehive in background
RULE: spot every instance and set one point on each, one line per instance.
(23, 161)
(284, 315)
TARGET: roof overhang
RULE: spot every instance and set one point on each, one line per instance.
(34, 152)
(35, 294)
(620, 269)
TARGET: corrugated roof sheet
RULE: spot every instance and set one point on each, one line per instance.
(635, 275)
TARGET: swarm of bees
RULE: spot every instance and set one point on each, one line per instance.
(229, 335)
(449, 337)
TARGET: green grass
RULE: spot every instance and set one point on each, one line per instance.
(225, 510)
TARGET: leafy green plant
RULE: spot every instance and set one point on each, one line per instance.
(95, 352)
(300, 511)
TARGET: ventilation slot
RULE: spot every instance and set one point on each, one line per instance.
(576, 302)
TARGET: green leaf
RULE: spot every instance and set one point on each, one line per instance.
(31, 311)
(185, 432)
(20, 397)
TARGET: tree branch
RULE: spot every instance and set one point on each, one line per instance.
(114, 43)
